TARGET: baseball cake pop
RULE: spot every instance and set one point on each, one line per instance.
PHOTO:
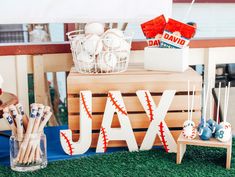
(224, 132)
(204, 130)
(189, 130)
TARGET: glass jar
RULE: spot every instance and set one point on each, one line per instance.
(28, 153)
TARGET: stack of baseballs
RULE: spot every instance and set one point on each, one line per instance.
(98, 50)
(27, 131)
(1, 82)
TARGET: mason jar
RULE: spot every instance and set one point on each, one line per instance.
(28, 153)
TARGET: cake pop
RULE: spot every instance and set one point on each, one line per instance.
(204, 131)
(224, 134)
(189, 130)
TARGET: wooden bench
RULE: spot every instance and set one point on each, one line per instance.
(183, 142)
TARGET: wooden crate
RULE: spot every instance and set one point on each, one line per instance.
(136, 78)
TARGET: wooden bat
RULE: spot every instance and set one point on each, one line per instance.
(20, 128)
(24, 152)
(10, 122)
(46, 118)
(36, 138)
(20, 110)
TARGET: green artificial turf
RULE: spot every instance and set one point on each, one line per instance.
(198, 161)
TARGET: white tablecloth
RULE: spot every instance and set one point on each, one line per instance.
(78, 11)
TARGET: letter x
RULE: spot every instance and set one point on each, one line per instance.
(156, 116)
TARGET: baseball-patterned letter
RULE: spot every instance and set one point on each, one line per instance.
(115, 104)
(156, 116)
(80, 147)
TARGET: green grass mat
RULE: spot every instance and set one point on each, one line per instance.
(197, 162)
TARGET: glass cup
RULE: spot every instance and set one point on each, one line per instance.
(28, 153)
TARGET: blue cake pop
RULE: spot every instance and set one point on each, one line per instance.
(205, 133)
(212, 125)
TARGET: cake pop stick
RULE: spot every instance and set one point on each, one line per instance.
(227, 100)
(207, 97)
(188, 11)
(188, 99)
(218, 105)
(10, 122)
(24, 145)
(20, 110)
(192, 104)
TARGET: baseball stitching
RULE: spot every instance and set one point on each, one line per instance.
(114, 102)
(68, 142)
(85, 106)
(105, 139)
(149, 106)
(164, 142)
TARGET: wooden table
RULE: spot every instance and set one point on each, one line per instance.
(6, 99)
(183, 142)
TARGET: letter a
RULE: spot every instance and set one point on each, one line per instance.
(80, 147)
(115, 104)
(157, 115)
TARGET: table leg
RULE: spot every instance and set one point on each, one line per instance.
(181, 148)
(228, 159)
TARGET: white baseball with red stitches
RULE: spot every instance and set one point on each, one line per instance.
(227, 126)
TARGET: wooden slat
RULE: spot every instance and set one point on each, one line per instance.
(175, 119)
(133, 104)
(138, 135)
(129, 83)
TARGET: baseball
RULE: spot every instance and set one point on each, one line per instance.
(188, 123)
(85, 61)
(92, 44)
(223, 135)
(226, 125)
(112, 39)
(94, 28)
(189, 132)
(107, 61)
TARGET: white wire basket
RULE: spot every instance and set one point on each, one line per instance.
(104, 54)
